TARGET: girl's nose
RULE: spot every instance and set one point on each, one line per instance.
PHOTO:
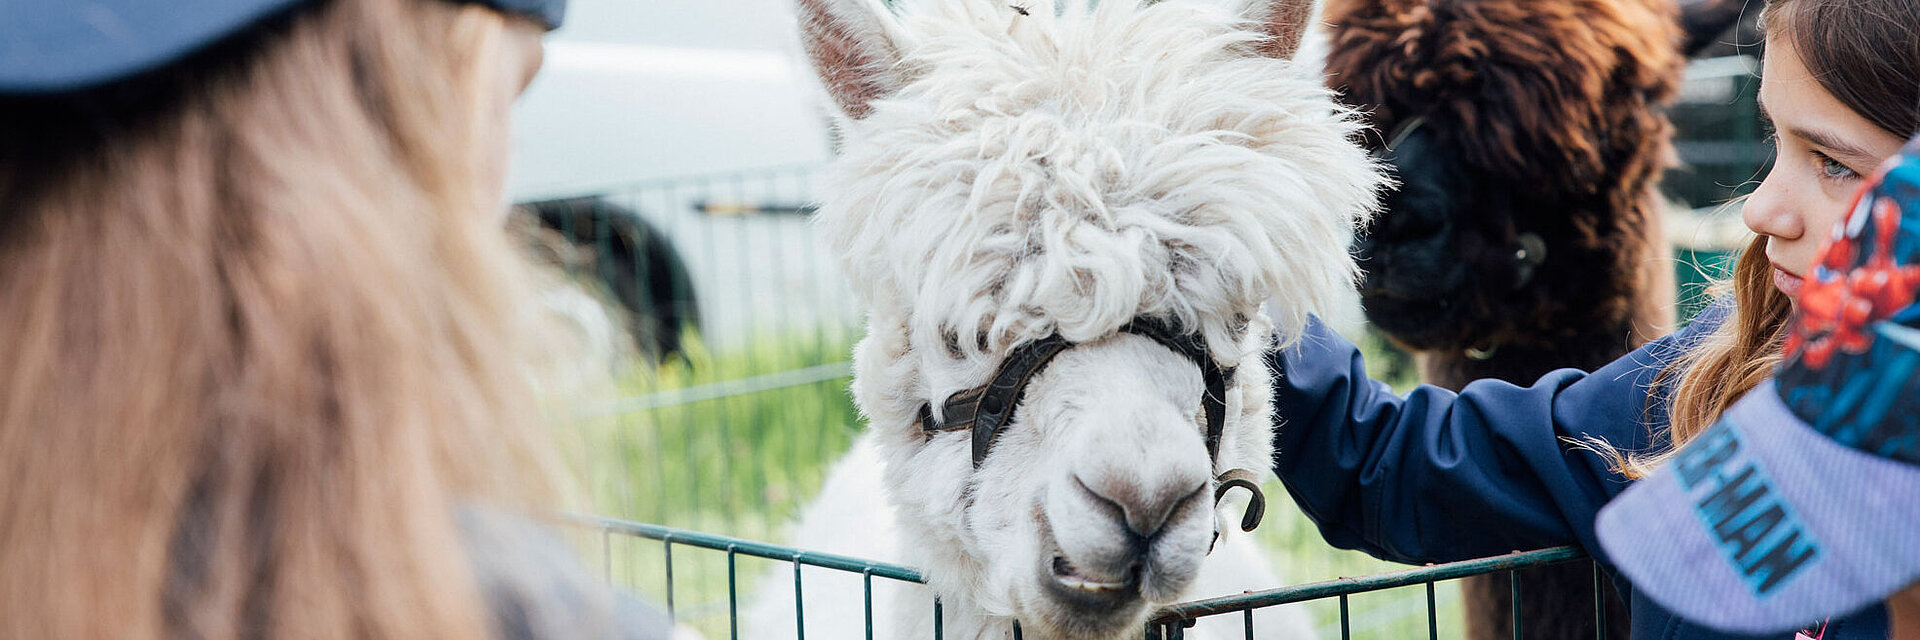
(1769, 211)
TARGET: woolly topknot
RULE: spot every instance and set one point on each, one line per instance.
(1067, 170)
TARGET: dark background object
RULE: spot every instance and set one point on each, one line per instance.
(635, 262)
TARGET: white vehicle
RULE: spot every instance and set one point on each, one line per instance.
(701, 118)
(633, 90)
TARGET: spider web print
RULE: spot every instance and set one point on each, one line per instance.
(1853, 349)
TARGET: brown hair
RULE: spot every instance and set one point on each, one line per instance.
(1867, 54)
(1864, 52)
(259, 339)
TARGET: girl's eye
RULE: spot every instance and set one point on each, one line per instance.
(1832, 169)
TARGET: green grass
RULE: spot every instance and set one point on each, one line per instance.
(744, 465)
(737, 465)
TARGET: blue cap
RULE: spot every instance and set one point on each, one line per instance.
(1802, 501)
(54, 46)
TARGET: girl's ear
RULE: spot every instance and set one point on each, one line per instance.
(1283, 22)
(854, 46)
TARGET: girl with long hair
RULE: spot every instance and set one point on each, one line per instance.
(261, 373)
(1817, 470)
(1435, 476)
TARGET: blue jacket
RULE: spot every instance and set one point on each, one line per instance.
(1437, 476)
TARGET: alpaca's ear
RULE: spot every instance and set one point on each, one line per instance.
(855, 50)
(1283, 22)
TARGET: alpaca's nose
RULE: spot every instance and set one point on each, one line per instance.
(1130, 511)
(1142, 504)
(1143, 524)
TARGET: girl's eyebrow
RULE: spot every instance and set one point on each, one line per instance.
(1840, 147)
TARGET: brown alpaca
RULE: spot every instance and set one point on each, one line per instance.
(1529, 139)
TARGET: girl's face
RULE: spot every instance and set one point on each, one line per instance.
(1822, 151)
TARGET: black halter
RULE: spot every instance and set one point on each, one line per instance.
(986, 410)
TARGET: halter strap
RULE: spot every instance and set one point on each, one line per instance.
(1214, 403)
(987, 409)
(1403, 131)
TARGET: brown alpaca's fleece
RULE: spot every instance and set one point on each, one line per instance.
(1557, 105)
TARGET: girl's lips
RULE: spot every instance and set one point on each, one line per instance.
(1787, 283)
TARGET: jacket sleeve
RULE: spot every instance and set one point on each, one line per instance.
(1436, 476)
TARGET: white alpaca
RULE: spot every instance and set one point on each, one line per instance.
(1015, 175)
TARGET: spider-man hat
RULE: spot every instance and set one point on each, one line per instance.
(1803, 501)
(54, 46)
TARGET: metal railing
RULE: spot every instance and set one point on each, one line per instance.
(1170, 623)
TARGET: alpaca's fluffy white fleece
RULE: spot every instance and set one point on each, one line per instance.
(1066, 173)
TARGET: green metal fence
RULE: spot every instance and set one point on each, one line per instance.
(1169, 623)
(734, 549)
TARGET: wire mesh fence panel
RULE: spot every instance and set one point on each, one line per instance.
(725, 396)
(1423, 582)
(821, 591)
(729, 396)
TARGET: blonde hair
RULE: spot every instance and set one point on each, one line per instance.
(260, 339)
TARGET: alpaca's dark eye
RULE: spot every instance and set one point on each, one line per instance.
(1241, 324)
(950, 340)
